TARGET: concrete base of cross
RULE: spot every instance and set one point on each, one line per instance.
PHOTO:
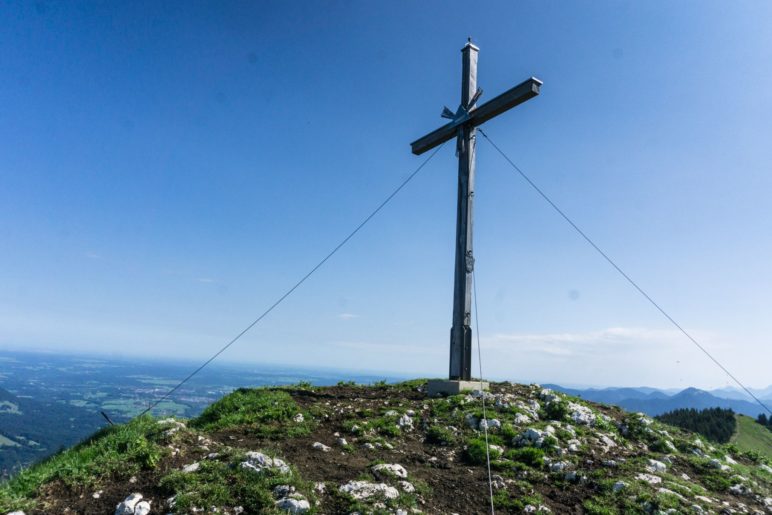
(438, 387)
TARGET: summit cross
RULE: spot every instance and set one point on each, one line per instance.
(463, 126)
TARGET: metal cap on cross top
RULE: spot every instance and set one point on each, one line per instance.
(462, 126)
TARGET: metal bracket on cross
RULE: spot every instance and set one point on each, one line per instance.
(460, 117)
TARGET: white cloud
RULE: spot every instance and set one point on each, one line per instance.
(612, 339)
(612, 356)
(347, 316)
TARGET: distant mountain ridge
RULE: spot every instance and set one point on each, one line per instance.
(656, 402)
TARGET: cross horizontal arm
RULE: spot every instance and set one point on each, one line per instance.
(507, 100)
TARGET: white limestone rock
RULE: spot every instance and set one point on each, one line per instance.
(130, 504)
(716, 464)
(257, 461)
(407, 487)
(293, 505)
(559, 466)
(281, 491)
(498, 482)
(405, 422)
(656, 466)
(530, 436)
(581, 415)
(652, 480)
(298, 418)
(171, 425)
(646, 421)
(739, 489)
(386, 470)
(191, 468)
(490, 424)
(319, 446)
(548, 395)
(522, 419)
(619, 485)
(606, 442)
(360, 490)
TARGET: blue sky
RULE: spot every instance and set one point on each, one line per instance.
(168, 169)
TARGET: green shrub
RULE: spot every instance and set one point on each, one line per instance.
(659, 445)
(636, 429)
(599, 506)
(386, 426)
(716, 482)
(556, 410)
(221, 483)
(508, 431)
(531, 456)
(440, 435)
(267, 412)
(513, 503)
(346, 383)
(550, 443)
(475, 451)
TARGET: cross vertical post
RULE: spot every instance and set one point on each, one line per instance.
(463, 126)
(461, 331)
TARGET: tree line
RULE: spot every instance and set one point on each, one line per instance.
(716, 424)
(764, 421)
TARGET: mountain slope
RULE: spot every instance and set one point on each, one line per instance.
(751, 436)
(689, 398)
(655, 402)
(390, 449)
(31, 429)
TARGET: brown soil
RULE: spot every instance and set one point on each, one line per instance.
(454, 486)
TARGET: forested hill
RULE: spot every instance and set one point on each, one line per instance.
(31, 429)
(716, 424)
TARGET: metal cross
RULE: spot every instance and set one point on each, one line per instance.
(463, 127)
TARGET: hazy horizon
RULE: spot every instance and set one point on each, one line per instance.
(345, 372)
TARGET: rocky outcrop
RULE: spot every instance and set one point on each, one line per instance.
(133, 505)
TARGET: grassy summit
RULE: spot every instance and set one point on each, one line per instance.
(390, 449)
(752, 437)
